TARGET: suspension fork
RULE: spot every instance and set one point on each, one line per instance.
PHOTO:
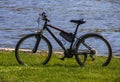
(38, 37)
(36, 44)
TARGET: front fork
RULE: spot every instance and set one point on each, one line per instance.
(36, 44)
(38, 39)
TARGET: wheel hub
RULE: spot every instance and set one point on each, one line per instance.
(93, 52)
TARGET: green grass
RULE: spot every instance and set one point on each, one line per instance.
(56, 71)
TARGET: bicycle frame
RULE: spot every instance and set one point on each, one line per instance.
(72, 45)
(46, 26)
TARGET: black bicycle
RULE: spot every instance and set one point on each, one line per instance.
(89, 48)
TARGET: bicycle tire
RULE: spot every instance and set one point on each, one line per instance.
(102, 58)
(24, 54)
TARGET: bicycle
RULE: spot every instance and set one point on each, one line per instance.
(36, 48)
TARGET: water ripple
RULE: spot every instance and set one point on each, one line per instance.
(18, 17)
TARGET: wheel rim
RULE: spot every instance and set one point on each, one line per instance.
(101, 48)
(27, 57)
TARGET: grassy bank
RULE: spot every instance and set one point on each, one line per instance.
(56, 71)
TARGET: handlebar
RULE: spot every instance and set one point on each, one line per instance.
(44, 17)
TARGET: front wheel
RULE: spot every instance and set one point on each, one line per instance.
(93, 49)
(25, 53)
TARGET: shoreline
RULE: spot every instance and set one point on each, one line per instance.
(58, 52)
(7, 49)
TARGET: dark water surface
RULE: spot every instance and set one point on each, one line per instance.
(18, 17)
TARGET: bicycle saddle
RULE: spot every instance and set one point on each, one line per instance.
(81, 21)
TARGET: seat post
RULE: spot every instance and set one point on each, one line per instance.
(76, 29)
(74, 36)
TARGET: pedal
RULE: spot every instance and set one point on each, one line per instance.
(92, 57)
(62, 58)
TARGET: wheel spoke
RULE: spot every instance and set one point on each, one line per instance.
(25, 53)
(97, 49)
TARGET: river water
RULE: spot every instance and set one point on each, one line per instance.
(18, 17)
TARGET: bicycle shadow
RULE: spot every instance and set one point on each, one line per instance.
(63, 65)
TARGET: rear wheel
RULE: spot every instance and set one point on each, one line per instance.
(24, 50)
(93, 49)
